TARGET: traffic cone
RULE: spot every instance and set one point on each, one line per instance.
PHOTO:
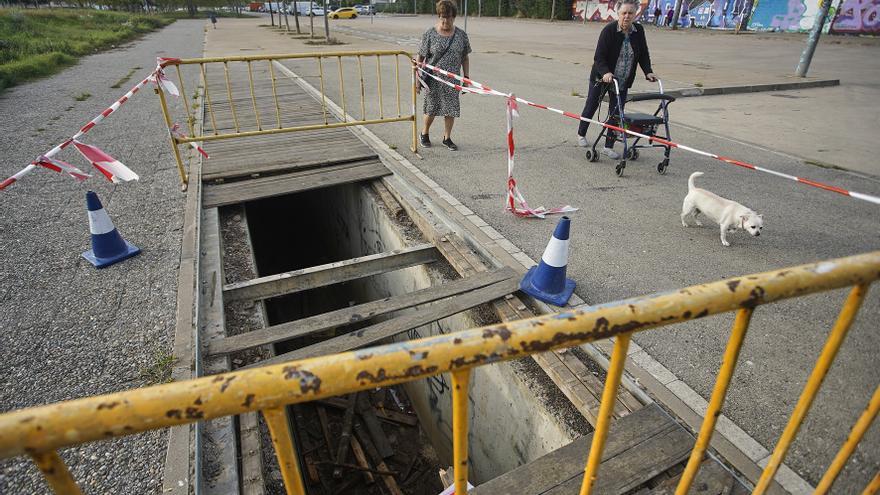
(546, 282)
(108, 246)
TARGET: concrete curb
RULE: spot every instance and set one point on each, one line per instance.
(751, 88)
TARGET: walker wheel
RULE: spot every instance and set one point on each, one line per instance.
(592, 156)
(632, 154)
(619, 168)
(661, 167)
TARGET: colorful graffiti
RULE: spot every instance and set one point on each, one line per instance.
(598, 10)
(857, 16)
(789, 15)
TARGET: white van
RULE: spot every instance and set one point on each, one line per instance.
(303, 8)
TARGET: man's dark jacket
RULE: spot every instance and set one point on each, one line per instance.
(608, 49)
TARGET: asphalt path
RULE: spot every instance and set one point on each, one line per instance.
(627, 238)
(67, 329)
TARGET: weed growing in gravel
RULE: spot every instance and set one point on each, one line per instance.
(159, 371)
(82, 96)
(575, 93)
(125, 78)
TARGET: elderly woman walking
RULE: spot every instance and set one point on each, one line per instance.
(621, 44)
(447, 47)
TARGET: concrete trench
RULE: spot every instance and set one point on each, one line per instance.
(516, 412)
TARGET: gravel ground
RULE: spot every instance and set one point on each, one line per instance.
(69, 330)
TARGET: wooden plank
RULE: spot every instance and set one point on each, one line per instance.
(325, 321)
(380, 331)
(329, 274)
(388, 415)
(580, 372)
(636, 465)
(566, 463)
(251, 458)
(711, 478)
(296, 182)
(579, 395)
(220, 449)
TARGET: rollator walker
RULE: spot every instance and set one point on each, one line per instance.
(641, 123)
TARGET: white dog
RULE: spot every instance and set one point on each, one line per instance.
(729, 215)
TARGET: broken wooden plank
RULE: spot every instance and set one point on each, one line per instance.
(290, 183)
(362, 461)
(332, 319)
(389, 480)
(389, 328)
(347, 421)
(384, 414)
(365, 410)
(329, 274)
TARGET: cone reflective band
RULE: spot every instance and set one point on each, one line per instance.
(108, 246)
(546, 282)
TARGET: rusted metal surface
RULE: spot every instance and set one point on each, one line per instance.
(44, 428)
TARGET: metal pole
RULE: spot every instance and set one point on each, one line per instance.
(465, 15)
(676, 13)
(813, 40)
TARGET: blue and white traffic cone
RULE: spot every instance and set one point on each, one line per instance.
(108, 246)
(546, 282)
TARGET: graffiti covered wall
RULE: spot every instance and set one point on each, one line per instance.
(599, 10)
(790, 15)
(857, 17)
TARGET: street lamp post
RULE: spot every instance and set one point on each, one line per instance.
(813, 40)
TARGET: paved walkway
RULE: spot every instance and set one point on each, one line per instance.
(68, 330)
(627, 238)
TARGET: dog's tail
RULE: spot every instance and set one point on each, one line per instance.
(691, 179)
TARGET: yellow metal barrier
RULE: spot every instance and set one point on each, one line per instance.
(40, 431)
(240, 113)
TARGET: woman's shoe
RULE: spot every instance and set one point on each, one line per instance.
(425, 140)
(449, 144)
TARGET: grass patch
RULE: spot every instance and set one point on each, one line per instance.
(575, 93)
(82, 96)
(125, 78)
(698, 84)
(159, 371)
(331, 41)
(37, 43)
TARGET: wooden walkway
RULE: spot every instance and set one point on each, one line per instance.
(644, 442)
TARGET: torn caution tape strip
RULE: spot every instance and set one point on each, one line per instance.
(111, 168)
(475, 87)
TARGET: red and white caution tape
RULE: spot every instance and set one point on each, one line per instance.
(111, 168)
(513, 193)
(175, 131)
(475, 87)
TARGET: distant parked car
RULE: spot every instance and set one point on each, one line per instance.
(317, 11)
(344, 13)
(365, 9)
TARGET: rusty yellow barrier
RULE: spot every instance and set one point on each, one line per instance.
(198, 134)
(40, 431)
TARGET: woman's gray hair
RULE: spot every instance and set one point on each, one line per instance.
(634, 3)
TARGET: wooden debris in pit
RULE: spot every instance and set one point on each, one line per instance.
(409, 465)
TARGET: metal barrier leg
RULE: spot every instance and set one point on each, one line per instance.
(725, 374)
(855, 436)
(460, 382)
(282, 440)
(874, 486)
(609, 395)
(57, 475)
(180, 169)
(832, 345)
